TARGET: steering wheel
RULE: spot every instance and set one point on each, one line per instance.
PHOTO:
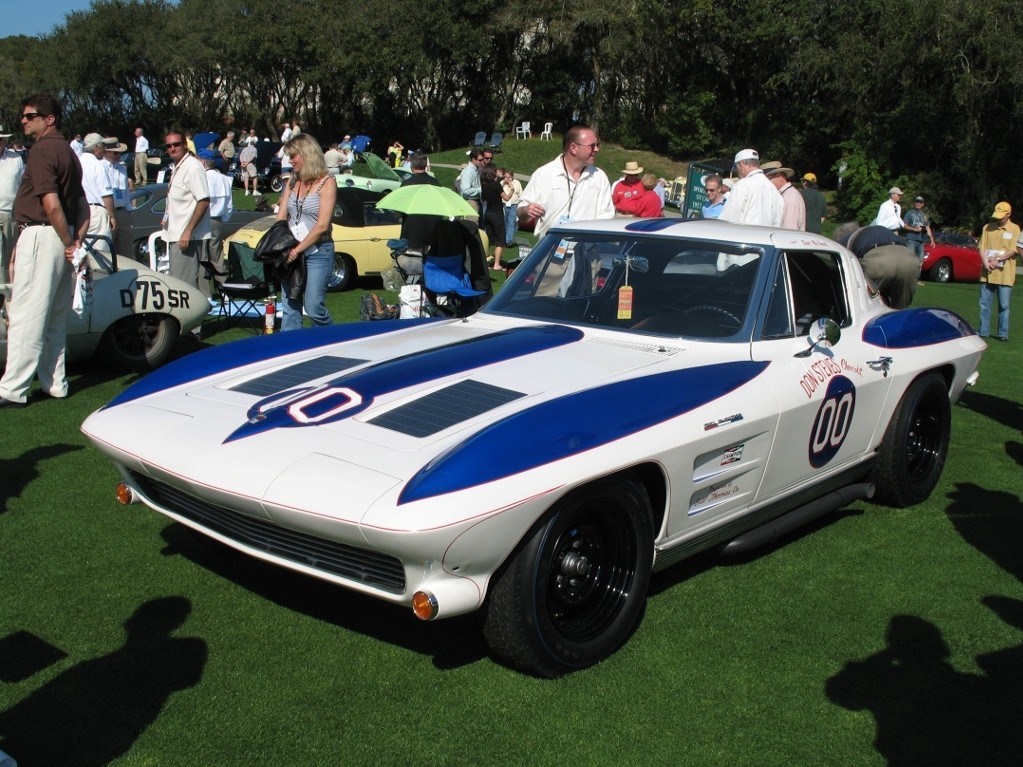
(712, 309)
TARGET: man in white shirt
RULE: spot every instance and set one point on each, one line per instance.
(753, 200)
(141, 158)
(98, 192)
(570, 187)
(221, 206)
(117, 174)
(12, 167)
(76, 144)
(187, 221)
(889, 215)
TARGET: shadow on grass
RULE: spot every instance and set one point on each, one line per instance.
(94, 711)
(927, 713)
(452, 642)
(991, 521)
(1003, 411)
(19, 472)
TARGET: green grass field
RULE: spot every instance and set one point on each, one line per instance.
(876, 636)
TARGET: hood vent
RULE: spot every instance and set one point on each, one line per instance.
(295, 375)
(447, 407)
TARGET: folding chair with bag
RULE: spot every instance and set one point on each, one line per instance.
(455, 274)
(244, 292)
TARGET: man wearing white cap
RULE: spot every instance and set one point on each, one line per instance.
(98, 192)
(11, 169)
(753, 199)
(889, 215)
(117, 174)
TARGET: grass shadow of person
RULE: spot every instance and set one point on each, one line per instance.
(94, 711)
(926, 712)
(19, 472)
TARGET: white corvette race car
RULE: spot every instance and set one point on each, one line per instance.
(638, 391)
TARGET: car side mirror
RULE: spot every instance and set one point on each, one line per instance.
(824, 333)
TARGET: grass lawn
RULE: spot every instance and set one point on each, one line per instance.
(877, 635)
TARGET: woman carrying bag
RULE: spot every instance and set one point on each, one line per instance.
(307, 205)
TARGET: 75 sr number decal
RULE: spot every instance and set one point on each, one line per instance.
(831, 426)
(153, 296)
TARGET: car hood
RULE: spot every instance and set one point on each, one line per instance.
(380, 168)
(414, 409)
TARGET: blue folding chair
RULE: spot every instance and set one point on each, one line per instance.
(495, 141)
(479, 139)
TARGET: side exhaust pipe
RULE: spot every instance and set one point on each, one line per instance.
(786, 523)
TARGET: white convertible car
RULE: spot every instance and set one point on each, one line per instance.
(638, 391)
(136, 317)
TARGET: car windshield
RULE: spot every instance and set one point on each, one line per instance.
(644, 285)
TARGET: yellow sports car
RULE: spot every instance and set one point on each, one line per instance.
(360, 232)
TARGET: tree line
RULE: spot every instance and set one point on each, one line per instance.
(925, 94)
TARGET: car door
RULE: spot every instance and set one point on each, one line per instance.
(828, 398)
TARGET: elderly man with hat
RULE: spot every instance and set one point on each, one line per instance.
(889, 214)
(117, 174)
(794, 212)
(98, 192)
(12, 167)
(816, 205)
(999, 244)
(221, 206)
(918, 228)
(628, 189)
(753, 199)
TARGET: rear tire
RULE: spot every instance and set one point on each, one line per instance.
(139, 342)
(342, 277)
(575, 590)
(915, 445)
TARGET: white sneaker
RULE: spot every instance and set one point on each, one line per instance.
(246, 192)
(257, 193)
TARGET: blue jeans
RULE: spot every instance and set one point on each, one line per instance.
(319, 262)
(511, 222)
(917, 246)
(987, 295)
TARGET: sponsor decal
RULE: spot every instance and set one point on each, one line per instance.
(732, 454)
(712, 495)
(833, 420)
(719, 422)
(850, 367)
(819, 372)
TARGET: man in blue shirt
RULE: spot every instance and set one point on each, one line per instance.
(715, 196)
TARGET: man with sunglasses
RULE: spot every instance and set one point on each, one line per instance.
(187, 220)
(570, 187)
(52, 217)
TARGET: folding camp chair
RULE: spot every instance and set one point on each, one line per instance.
(455, 273)
(479, 139)
(495, 141)
(244, 293)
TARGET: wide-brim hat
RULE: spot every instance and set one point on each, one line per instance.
(6, 135)
(111, 144)
(632, 168)
(775, 168)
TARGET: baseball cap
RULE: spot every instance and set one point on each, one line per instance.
(746, 154)
(895, 190)
(93, 140)
(811, 177)
(918, 198)
(1002, 209)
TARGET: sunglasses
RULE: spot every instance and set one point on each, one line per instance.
(31, 115)
(173, 144)
(591, 147)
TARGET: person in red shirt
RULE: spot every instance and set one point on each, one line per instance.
(646, 204)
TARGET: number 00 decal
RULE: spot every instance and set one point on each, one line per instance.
(833, 420)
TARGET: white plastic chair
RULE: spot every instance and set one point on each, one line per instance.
(159, 263)
(523, 131)
(546, 135)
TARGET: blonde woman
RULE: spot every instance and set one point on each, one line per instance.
(307, 204)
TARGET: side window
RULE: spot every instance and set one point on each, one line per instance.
(808, 286)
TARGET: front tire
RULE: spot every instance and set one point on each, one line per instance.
(575, 590)
(139, 342)
(941, 271)
(915, 445)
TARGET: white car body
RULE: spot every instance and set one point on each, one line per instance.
(135, 317)
(417, 462)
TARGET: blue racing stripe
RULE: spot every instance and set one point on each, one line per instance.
(573, 424)
(653, 224)
(378, 379)
(915, 327)
(225, 357)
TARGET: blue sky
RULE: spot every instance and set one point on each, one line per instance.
(37, 17)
